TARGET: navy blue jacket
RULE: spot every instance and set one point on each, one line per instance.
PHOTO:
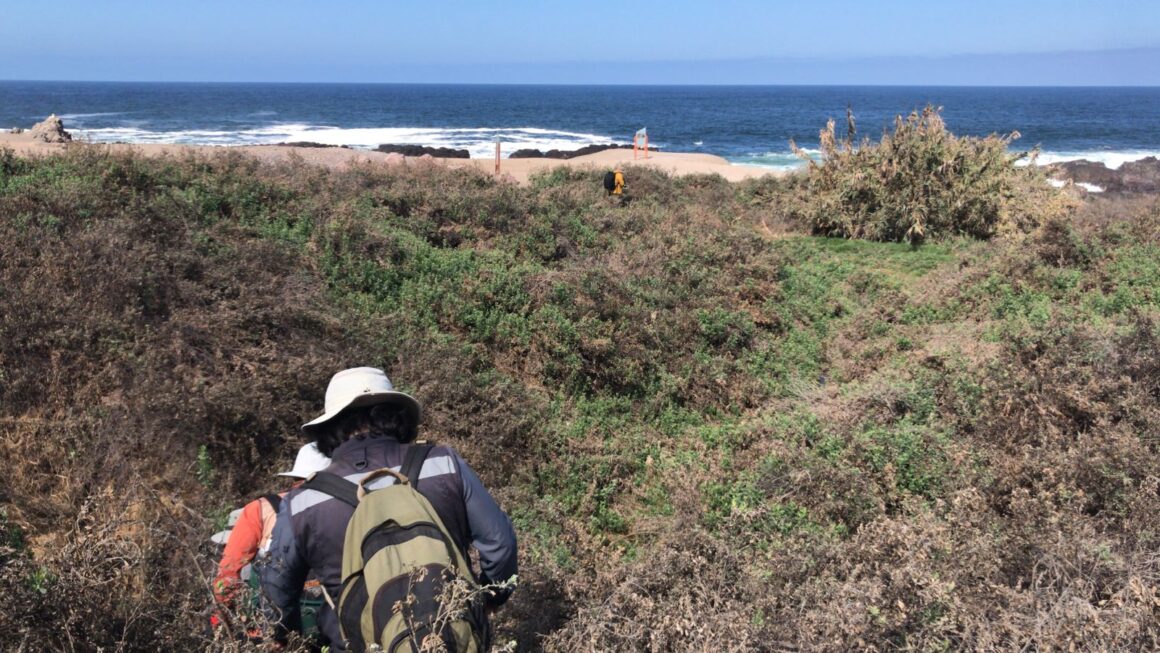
(311, 527)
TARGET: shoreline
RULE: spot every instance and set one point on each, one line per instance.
(518, 170)
(1091, 176)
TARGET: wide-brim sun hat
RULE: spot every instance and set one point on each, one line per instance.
(357, 387)
(308, 461)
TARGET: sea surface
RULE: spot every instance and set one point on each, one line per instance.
(744, 124)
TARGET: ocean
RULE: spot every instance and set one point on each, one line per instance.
(744, 124)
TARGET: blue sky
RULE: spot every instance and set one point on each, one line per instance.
(652, 41)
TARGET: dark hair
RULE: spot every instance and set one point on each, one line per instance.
(377, 421)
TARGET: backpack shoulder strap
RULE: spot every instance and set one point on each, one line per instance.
(274, 500)
(334, 485)
(413, 462)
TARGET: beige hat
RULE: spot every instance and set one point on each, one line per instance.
(361, 386)
(308, 461)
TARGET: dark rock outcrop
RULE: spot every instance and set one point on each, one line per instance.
(50, 131)
(312, 144)
(1142, 176)
(420, 150)
(568, 154)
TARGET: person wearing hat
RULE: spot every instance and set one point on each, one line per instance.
(368, 425)
(251, 533)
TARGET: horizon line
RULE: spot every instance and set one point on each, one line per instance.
(579, 84)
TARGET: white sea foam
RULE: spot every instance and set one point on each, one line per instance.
(478, 141)
(1112, 160)
(781, 161)
(188, 137)
(1091, 188)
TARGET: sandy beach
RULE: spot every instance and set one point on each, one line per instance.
(518, 169)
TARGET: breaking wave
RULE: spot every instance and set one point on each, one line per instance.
(1108, 158)
(785, 160)
(480, 142)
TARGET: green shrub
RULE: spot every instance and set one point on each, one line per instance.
(11, 536)
(921, 182)
(910, 456)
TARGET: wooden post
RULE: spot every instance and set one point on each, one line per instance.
(497, 141)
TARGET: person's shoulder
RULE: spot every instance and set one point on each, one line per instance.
(300, 499)
(441, 459)
(440, 449)
(252, 511)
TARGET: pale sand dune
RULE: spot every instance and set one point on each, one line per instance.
(675, 163)
(517, 169)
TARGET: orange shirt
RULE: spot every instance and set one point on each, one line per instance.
(251, 532)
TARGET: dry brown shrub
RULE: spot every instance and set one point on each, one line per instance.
(1084, 381)
(955, 576)
(1140, 213)
(692, 594)
(127, 345)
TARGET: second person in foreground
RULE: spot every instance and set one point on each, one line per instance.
(368, 429)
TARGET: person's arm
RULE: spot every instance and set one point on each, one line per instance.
(283, 574)
(239, 552)
(491, 532)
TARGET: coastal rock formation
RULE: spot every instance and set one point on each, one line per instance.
(50, 131)
(1141, 176)
(568, 154)
(420, 150)
(312, 145)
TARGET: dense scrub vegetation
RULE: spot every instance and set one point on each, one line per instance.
(712, 430)
(921, 182)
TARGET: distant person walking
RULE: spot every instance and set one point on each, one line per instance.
(369, 429)
(614, 183)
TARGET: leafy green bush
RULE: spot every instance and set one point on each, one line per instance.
(921, 182)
